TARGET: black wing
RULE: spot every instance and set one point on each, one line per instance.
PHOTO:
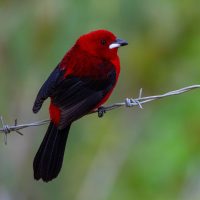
(77, 96)
(47, 88)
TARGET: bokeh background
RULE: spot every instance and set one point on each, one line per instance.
(149, 154)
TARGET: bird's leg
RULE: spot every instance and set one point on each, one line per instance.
(101, 111)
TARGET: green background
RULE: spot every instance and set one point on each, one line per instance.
(149, 154)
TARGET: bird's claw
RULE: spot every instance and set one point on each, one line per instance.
(101, 111)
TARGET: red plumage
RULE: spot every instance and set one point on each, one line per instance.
(82, 81)
(54, 112)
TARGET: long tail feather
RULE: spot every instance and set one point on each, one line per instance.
(49, 158)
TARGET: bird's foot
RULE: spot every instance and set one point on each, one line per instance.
(101, 111)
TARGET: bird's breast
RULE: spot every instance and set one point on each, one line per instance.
(83, 64)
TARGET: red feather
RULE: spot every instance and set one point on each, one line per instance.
(54, 112)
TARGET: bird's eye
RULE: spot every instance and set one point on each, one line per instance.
(103, 42)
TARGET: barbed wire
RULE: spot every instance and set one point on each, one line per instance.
(128, 102)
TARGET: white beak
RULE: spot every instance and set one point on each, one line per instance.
(118, 43)
(114, 45)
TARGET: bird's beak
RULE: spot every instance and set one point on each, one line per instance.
(118, 43)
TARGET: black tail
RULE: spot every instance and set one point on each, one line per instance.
(48, 160)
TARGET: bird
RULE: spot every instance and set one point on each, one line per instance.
(81, 82)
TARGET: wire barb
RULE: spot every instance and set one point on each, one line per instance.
(133, 102)
(6, 130)
(129, 102)
(17, 130)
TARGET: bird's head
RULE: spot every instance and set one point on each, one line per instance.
(100, 43)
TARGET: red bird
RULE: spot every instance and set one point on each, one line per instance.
(82, 82)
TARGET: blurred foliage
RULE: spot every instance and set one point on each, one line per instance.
(150, 154)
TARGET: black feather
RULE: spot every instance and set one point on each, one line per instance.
(77, 96)
(49, 158)
(48, 87)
